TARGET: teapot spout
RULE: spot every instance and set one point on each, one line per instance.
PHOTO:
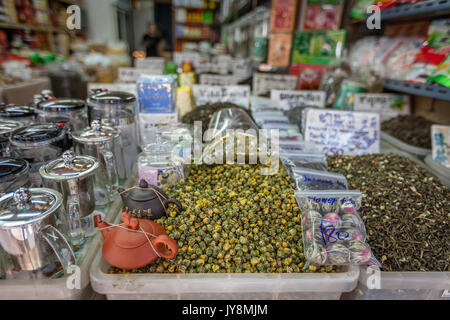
(104, 228)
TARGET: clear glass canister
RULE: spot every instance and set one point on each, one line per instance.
(64, 110)
(39, 144)
(13, 174)
(117, 109)
(158, 167)
(7, 127)
(22, 113)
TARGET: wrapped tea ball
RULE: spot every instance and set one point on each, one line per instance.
(309, 204)
(338, 254)
(330, 206)
(311, 216)
(316, 255)
(351, 220)
(332, 218)
(348, 207)
(313, 234)
(355, 234)
(359, 252)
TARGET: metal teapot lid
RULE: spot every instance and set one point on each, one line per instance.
(37, 134)
(97, 133)
(16, 111)
(12, 168)
(111, 97)
(63, 104)
(27, 206)
(69, 167)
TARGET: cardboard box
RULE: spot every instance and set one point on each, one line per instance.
(280, 49)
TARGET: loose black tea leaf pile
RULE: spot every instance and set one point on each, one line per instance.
(235, 220)
(205, 112)
(405, 210)
(412, 129)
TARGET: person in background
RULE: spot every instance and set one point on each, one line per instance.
(153, 41)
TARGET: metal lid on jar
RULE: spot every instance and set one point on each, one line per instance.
(16, 111)
(11, 168)
(8, 126)
(112, 97)
(28, 206)
(69, 167)
(97, 133)
(37, 134)
(64, 104)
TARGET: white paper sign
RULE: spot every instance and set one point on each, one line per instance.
(388, 105)
(289, 99)
(209, 67)
(260, 104)
(264, 82)
(218, 80)
(125, 87)
(204, 94)
(193, 57)
(133, 74)
(155, 63)
(440, 139)
(343, 132)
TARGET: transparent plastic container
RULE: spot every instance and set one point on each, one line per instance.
(56, 289)
(416, 151)
(156, 286)
(438, 170)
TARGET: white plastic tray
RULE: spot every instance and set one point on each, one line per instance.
(438, 170)
(208, 286)
(46, 289)
(416, 151)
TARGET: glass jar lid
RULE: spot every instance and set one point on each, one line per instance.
(112, 97)
(37, 134)
(69, 167)
(16, 111)
(12, 168)
(8, 126)
(96, 134)
(64, 104)
(27, 206)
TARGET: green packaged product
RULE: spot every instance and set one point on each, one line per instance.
(442, 73)
(345, 97)
(260, 49)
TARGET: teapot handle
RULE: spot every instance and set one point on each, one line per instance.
(160, 243)
(60, 246)
(175, 202)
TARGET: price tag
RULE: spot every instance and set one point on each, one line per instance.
(156, 64)
(388, 105)
(289, 99)
(204, 94)
(220, 80)
(193, 57)
(133, 74)
(212, 68)
(264, 82)
(343, 132)
(440, 139)
(125, 87)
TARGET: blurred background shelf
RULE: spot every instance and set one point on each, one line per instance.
(425, 90)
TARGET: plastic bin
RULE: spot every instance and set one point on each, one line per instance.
(416, 151)
(401, 286)
(438, 170)
(46, 289)
(243, 286)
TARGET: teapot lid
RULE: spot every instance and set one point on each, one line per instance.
(11, 168)
(62, 104)
(27, 206)
(15, 111)
(37, 134)
(142, 193)
(69, 167)
(96, 133)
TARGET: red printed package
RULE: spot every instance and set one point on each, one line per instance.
(283, 15)
(325, 17)
(309, 75)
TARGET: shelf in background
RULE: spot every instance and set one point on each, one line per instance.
(426, 90)
(22, 26)
(428, 8)
(193, 38)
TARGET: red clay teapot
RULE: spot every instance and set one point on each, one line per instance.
(136, 243)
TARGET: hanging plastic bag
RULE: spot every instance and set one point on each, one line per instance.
(310, 179)
(333, 232)
(299, 159)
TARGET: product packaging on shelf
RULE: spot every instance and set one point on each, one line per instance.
(310, 179)
(323, 14)
(156, 94)
(309, 75)
(283, 15)
(280, 45)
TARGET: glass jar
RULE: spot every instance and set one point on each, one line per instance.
(13, 174)
(117, 109)
(7, 127)
(63, 110)
(22, 113)
(39, 144)
(158, 167)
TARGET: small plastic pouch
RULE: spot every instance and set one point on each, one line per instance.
(310, 179)
(302, 156)
(333, 232)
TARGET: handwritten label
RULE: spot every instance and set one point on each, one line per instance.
(263, 83)
(150, 64)
(218, 80)
(329, 233)
(388, 105)
(289, 99)
(204, 94)
(125, 87)
(440, 138)
(193, 57)
(343, 132)
(133, 74)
